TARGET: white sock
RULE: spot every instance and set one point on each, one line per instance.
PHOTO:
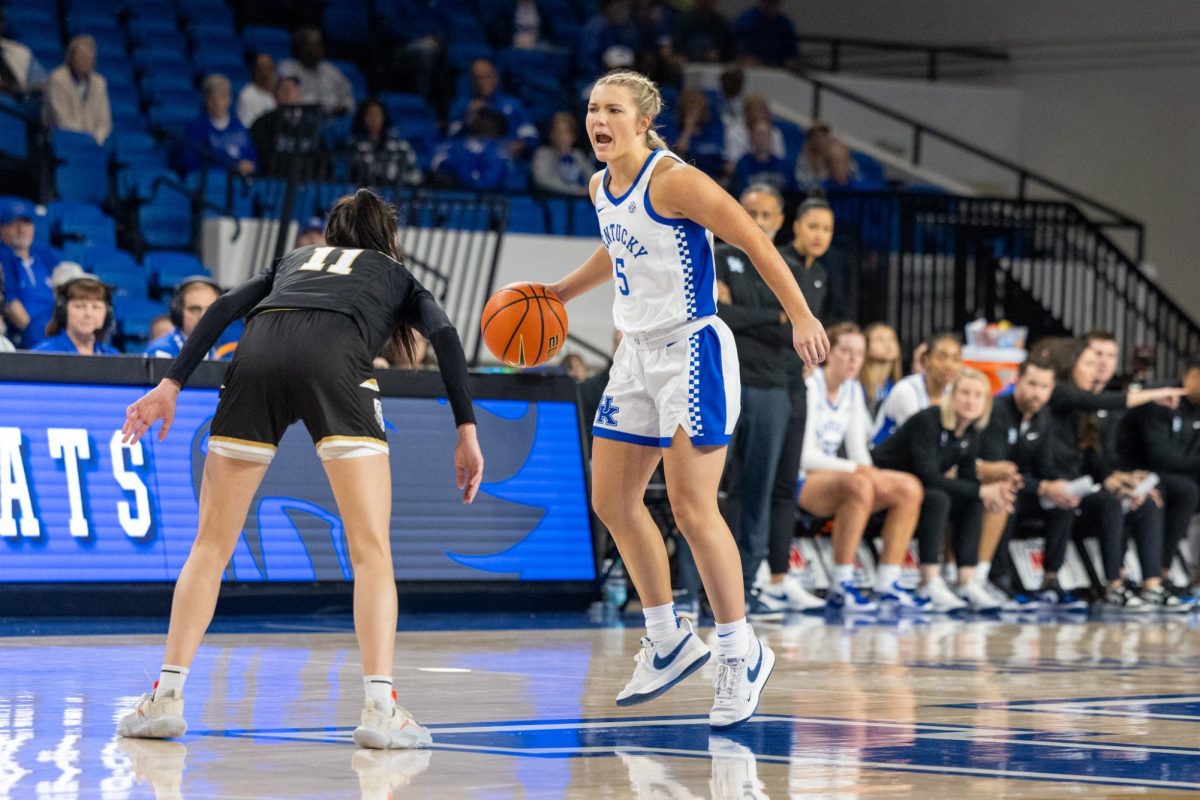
(661, 621)
(886, 575)
(733, 638)
(171, 677)
(982, 569)
(379, 689)
(842, 573)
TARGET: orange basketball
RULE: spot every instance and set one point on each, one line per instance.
(524, 324)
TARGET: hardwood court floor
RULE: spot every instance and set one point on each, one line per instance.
(917, 709)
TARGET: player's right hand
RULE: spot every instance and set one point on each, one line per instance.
(468, 462)
(156, 404)
(810, 341)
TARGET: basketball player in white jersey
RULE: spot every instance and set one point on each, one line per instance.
(674, 392)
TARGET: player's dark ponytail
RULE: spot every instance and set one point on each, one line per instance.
(367, 221)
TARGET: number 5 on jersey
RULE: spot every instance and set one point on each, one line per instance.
(619, 274)
(319, 260)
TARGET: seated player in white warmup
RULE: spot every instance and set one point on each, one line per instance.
(673, 393)
(316, 319)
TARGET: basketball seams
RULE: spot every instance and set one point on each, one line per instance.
(514, 324)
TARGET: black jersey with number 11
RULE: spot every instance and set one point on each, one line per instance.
(373, 289)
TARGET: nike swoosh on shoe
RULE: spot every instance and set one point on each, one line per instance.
(660, 662)
(753, 673)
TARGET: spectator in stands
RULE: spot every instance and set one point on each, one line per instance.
(1167, 441)
(258, 96)
(940, 364)
(76, 95)
(519, 24)
(483, 95)
(704, 34)
(850, 488)
(763, 335)
(189, 302)
(218, 134)
(842, 169)
(160, 326)
(765, 35)
(312, 233)
(416, 31)
(575, 367)
(760, 165)
(20, 71)
(812, 165)
(611, 29)
(755, 110)
(478, 160)
(698, 136)
(940, 445)
(290, 136)
(28, 294)
(321, 83)
(1082, 444)
(86, 316)
(1012, 444)
(561, 167)
(882, 369)
(381, 156)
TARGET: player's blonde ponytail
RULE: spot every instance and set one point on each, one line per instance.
(645, 95)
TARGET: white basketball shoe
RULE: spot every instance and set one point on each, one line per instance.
(661, 665)
(383, 728)
(155, 717)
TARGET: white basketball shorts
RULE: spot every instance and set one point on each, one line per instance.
(660, 382)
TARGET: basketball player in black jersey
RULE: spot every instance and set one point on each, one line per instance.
(315, 320)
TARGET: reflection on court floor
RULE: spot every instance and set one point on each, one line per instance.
(1050, 708)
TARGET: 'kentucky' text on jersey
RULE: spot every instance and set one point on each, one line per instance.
(663, 267)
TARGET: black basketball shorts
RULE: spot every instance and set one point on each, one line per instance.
(299, 364)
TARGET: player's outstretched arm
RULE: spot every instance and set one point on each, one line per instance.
(594, 272)
(684, 191)
(468, 462)
(157, 404)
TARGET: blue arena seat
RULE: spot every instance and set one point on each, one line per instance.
(13, 130)
(135, 313)
(171, 267)
(165, 221)
(81, 172)
(116, 267)
(525, 215)
(146, 30)
(267, 39)
(97, 231)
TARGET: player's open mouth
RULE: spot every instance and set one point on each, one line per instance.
(603, 138)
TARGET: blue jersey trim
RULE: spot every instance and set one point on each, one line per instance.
(616, 201)
(631, 438)
(654, 215)
(699, 268)
(707, 412)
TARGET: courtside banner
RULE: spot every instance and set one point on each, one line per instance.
(77, 505)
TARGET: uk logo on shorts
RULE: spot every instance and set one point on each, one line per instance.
(379, 414)
(606, 414)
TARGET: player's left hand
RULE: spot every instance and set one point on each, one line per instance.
(468, 462)
(156, 404)
(810, 341)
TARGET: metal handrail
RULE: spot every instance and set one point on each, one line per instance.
(1024, 175)
(932, 52)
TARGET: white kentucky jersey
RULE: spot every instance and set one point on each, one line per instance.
(831, 427)
(907, 397)
(663, 267)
